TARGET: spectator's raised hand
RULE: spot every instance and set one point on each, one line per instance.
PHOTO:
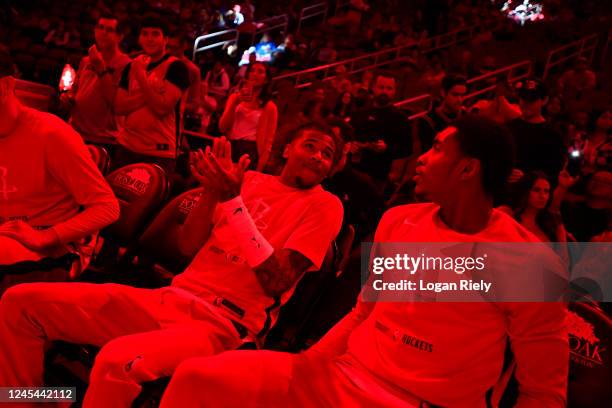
(515, 176)
(215, 170)
(95, 58)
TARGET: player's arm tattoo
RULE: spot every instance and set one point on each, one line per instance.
(279, 272)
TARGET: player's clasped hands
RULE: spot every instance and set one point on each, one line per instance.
(216, 172)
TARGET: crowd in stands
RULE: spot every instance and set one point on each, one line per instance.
(281, 172)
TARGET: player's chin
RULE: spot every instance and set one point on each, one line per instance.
(309, 180)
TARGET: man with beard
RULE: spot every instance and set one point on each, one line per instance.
(382, 135)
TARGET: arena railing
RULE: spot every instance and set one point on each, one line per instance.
(270, 24)
(484, 83)
(228, 37)
(585, 47)
(309, 12)
(421, 105)
(417, 106)
(304, 78)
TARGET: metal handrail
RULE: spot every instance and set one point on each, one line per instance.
(352, 65)
(416, 99)
(425, 46)
(526, 66)
(312, 11)
(202, 38)
(269, 24)
(582, 47)
(524, 69)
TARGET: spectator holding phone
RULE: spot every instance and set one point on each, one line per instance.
(250, 117)
(538, 146)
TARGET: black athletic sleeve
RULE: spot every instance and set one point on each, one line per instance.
(124, 82)
(178, 75)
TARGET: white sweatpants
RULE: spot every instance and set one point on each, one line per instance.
(144, 334)
(268, 379)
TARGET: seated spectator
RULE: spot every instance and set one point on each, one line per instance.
(208, 106)
(218, 80)
(177, 47)
(250, 117)
(234, 16)
(314, 108)
(537, 208)
(574, 82)
(555, 113)
(327, 54)
(345, 106)
(498, 109)
(598, 146)
(382, 135)
(58, 35)
(341, 82)
(150, 93)
(232, 290)
(454, 88)
(590, 216)
(538, 146)
(363, 361)
(365, 82)
(53, 199)
(433, 76)
(93, 93)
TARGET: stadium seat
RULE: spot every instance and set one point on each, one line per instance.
(590, 365)
(156, 257)
(141, 188)
(291, 330)
(101, 157)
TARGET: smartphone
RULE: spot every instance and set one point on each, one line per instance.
(574, 163)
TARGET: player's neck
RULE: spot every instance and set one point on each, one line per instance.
(468, 214)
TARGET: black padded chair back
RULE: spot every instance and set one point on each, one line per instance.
(101, 157)
(140, 188)
(590, 341)
(159, 243)
(289, 331)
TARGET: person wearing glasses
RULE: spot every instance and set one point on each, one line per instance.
(91, 98)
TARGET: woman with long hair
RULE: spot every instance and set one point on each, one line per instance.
(537, 208)
(250, 117)
(344, 106)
